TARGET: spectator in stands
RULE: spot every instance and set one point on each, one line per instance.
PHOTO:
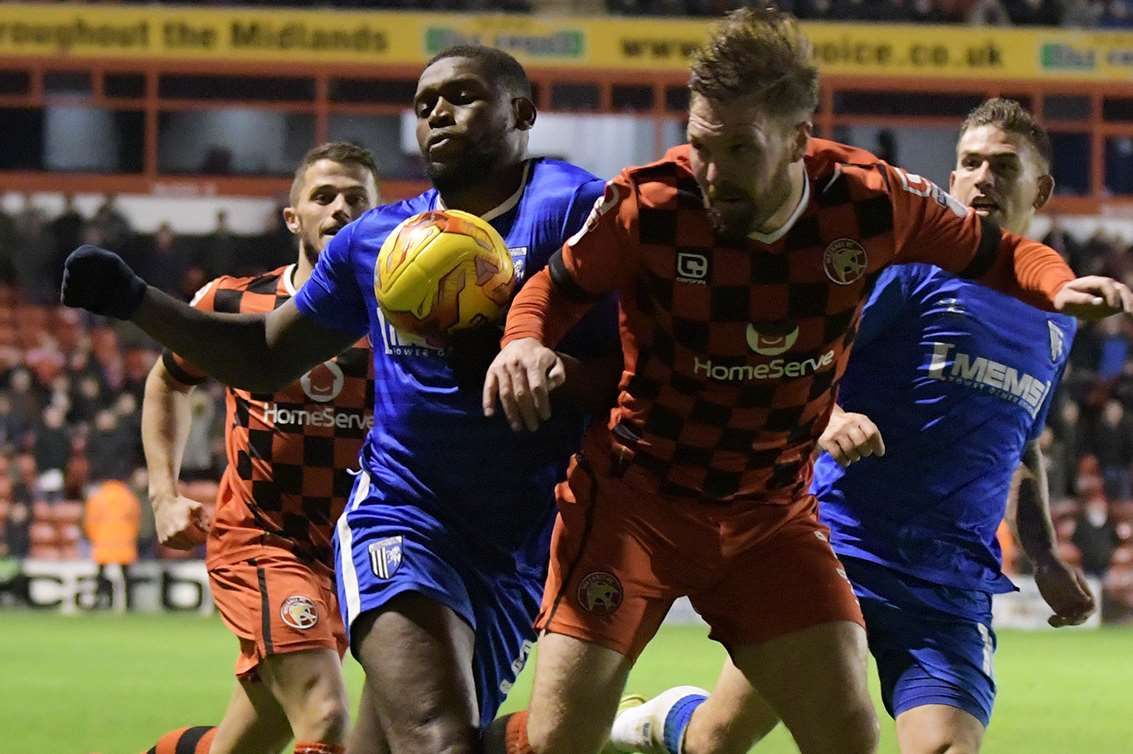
(66, 233)
(165, 262)
(7, 246)
(25, 399)
(1083, 13)
(33, 254)
(1095, 536)
(112, 226)
(987, 13)
(52, 449)
(111, 521)
(218, 253)
(1111, 442)
(112, 452)
(1118, 14)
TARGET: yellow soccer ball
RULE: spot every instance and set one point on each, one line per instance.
(441, 272)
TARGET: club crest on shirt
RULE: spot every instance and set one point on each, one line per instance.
(844, 261)
(519, 260)
(385, 557)
(299, 612)
(1057, 341)
(600, 593)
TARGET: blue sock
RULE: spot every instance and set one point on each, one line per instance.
(676, 722)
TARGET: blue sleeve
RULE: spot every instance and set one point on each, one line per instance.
(331, 297)
(596, 334)
(1040, 417)
(889, 296)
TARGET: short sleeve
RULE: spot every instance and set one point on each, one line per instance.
(1067, 334)
(331, 297)
(596, 334)
(601, 256)
(930, 225)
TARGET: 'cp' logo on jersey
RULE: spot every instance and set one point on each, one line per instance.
(844, 261)
(323, 383)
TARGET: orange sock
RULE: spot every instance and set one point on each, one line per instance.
(515, 734)
(314, 747)
(194, 740)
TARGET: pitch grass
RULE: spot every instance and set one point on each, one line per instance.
(112, 684)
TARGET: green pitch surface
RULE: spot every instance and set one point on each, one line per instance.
(112, 684)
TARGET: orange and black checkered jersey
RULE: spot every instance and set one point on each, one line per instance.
(290, 452)
(733, 350)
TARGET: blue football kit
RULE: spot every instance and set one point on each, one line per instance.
(449, 503)
(958, 379)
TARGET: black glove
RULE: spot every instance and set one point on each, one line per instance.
(99, 281)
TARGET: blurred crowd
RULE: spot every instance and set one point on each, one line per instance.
(71, 387)
(1108, 13)
(1111, 13)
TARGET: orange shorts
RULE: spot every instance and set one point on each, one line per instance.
(620, 557)
(276, 603)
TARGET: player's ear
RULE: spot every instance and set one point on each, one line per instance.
(1046, 189)
(523, 110)
(291, 220)
(800, 137)
(951, 181)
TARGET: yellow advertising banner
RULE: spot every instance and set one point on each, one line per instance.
(641, 44)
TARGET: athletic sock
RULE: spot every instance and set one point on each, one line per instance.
(189, 740)
(315, 747)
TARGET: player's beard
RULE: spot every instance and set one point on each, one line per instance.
(477, 163)
(734, 221)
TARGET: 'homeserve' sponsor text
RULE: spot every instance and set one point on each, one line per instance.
(772, 370)
(323, 417)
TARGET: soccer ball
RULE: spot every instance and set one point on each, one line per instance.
(442, 272)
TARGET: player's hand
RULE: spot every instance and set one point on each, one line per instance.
(99, 281)
(522, 377)
(181, 522)
(1093, 297)
(850, 437)
(1065, 590)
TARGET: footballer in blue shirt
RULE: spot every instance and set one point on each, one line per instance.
(442, 552)
(941, 406)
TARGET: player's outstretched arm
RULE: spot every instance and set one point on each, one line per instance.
(181, 522)
(1062, 586)
(257, 352)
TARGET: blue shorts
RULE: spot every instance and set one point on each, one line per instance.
(924, 655)
(384, 549)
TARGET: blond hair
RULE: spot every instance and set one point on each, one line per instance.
(761, 54)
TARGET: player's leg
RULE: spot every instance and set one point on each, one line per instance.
(935, 668)
(607, 593)
(366, 735)
(573, 701)
(938, 729)
(417, 654)
(689, 720)
(793, 628)
(302, 643)
(291, 638)
(253, 723)
(308, 686)
(815, 681)
(411, 622)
